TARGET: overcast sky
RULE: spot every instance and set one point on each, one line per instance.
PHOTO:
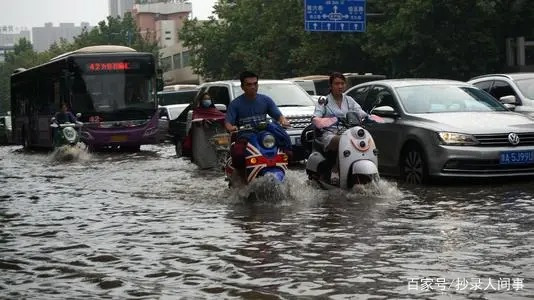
(34, 13)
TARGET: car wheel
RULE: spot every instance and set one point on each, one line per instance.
(25, 140)
(178, 148)
(414, 169)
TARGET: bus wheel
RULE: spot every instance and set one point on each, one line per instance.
(25, 140)
(135, 148)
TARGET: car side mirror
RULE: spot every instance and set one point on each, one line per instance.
(508, 101)
(385, 112)
(220, 107)
(510, 106)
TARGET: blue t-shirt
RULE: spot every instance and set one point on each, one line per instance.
(243, 111)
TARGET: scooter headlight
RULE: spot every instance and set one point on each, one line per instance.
(358, 133)
(268, 141)
(70, 134)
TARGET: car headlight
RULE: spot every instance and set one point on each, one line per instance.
(454, 138)
(70, 134)
(268, 141)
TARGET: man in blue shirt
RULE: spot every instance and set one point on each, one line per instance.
(249, 108)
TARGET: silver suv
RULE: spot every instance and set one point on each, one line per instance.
(294, 103)
(514, 90)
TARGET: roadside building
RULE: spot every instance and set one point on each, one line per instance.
(117, 8)
(44, 37)
(161, 21)
(10, 36)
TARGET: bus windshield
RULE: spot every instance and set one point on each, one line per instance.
(114, 95)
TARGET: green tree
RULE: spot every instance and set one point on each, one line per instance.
(269, 38)
(117, 31)
(22, 56)
(413, 38)
(443, 38)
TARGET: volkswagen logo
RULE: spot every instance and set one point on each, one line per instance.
(513, 138)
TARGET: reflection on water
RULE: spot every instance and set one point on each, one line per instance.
(149, 225)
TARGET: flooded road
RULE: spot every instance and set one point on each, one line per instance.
(150, 226)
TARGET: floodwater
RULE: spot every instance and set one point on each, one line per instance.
(148, 225)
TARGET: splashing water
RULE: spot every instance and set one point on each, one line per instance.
(294, 189)
(381, 188)
(69, 153)
(297, 189)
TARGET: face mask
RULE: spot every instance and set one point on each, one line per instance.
(206, 103)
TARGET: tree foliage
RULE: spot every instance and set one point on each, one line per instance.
(269, 38)
(410, 38)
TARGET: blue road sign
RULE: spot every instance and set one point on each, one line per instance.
(334, 15)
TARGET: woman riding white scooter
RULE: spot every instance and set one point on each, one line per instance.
(326, 112)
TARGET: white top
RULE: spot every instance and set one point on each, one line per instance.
(331, 109)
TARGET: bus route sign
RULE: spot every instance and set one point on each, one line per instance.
(334, 15)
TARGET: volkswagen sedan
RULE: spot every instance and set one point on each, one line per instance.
(443, 128)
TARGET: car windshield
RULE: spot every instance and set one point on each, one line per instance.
(446, 98)
(283, 94)
(526, 86)
(174, 112)
(179, 97)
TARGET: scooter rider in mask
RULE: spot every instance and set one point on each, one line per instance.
(325, 118)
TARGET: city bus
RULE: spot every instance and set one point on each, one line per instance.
(111, 88)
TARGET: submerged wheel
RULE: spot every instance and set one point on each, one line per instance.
(178, 148)
(222, 158)
(414, 169)
(360, 179)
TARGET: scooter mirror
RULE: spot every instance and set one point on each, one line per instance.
(352, 118)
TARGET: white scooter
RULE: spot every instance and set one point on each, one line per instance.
(357, 155)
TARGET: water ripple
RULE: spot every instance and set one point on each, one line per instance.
(149, 225)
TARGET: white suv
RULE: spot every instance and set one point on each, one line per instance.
(515, 90)
(294, 103)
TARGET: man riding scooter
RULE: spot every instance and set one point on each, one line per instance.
(251, 108)
(326, 112)
(62, 117)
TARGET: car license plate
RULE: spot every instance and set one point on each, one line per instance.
(119, 138)
(516, 157)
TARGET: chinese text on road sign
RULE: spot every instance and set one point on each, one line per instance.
(334, 15)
